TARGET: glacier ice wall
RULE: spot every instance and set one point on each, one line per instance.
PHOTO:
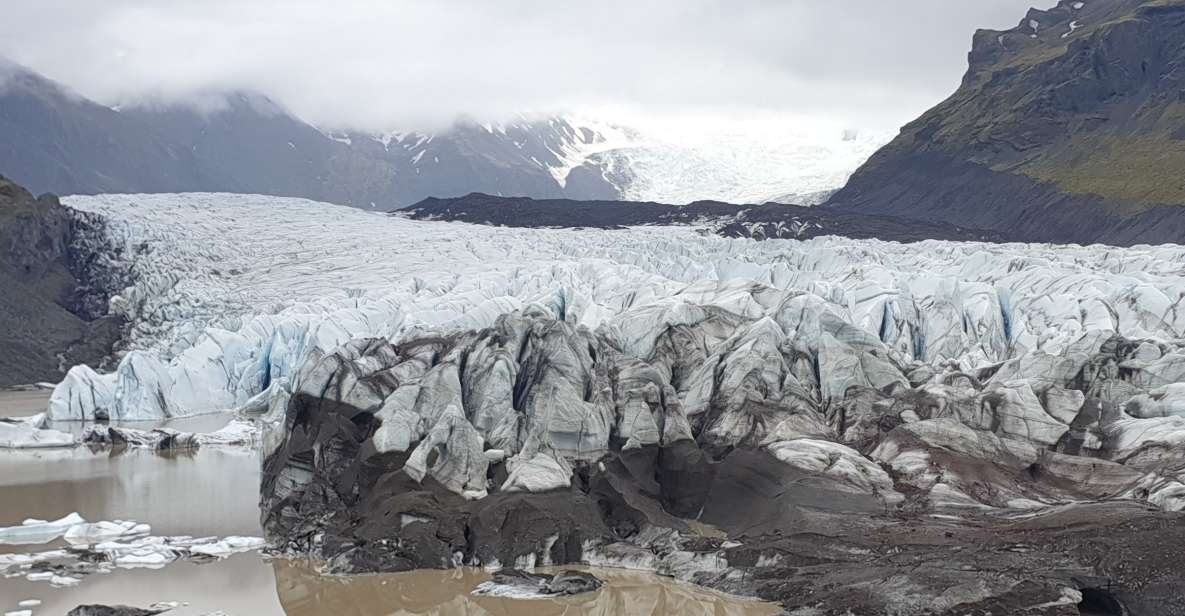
(231, 292)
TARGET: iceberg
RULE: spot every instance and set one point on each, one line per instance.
(39, 531)
(25, 434)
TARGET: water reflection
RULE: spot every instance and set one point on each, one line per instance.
(214, 492)
(303, 592)
(242, 585)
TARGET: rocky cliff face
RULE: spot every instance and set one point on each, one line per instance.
(50, 314)
(1066, 128)
(793, 456)
(836, 424)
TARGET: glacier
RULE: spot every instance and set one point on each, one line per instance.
(745, 162)
(666, 398)
(231, 292)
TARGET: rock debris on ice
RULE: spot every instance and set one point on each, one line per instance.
(231, 293)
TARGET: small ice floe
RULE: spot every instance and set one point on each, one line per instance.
(73, 528)
(125, 550)
(19, 613)
(156, 552)
(29, 603)
(236, 433)
(26, 433)
(518, 584)
(64, 581)
(124, 610)
(38, 531)
(86, 534)
(229, 545)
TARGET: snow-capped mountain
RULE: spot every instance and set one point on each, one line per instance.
(57, 141)
(540, 156)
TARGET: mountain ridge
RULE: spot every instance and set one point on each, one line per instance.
(59, 142)
(55, 140)
(1066, 128)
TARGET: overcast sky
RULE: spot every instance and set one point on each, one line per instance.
(381, 64)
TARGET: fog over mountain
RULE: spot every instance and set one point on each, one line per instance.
(386, 65)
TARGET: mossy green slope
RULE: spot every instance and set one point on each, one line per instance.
(1069, 127)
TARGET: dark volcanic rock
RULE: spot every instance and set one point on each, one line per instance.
(1049, 564)
(745, 457)
(113, 610)
(572, 583)
(1066, 128)
(51, 312)
(768, 221)
(563, 583)
(331, 480)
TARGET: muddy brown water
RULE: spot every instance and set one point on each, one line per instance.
(21, 403)
(215, 492)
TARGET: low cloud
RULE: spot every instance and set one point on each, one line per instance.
(375, 64)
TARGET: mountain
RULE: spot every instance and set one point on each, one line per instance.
(48, 319)
(1069, 127)
(54, 140)
(536, 157)
(764, 221)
